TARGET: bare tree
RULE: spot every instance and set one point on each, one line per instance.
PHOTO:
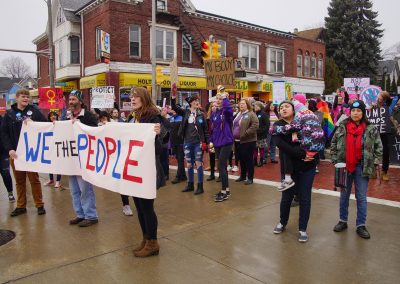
(15, 67)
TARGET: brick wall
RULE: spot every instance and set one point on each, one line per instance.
(43, 64)
(304, 45)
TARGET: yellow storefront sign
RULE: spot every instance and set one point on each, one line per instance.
(240, 86)
(266, 87)
(69, 86)
(144, 80)
(93, 81)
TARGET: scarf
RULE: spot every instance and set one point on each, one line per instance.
(354, 144)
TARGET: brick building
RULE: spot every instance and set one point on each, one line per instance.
(79, 26)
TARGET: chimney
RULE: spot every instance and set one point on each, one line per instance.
(296, 30)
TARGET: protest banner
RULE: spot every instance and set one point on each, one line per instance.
(380, 117)
(369, 95)
(51, 98)
(278, 92)
(103, 97)
(356, 85)
(394, 149)
(117, 156)
(3, 106)
(220, 72)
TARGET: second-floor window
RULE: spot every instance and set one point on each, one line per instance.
(299, 63)
(98, 43)
(165, 44)
(186, 50)
(249, 52)
(320, 67)
(134, 40)
(74, 41)
(161, 5)
(313, 66)
(60, 54)
(222, 50)
(60, 16)
(276, 60)
(307, 65)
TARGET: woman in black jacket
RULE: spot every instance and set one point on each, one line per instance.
(262, 133)
(145, 111)
(5, 169)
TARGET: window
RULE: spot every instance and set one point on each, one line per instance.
(249, 52)
(98, 42)
(165, 44)
(60, 54)
(222, 50)
(186, 50)
(60, 16)
(74, 40)
(299, 63)
(162, 5)
(134, 40)
(307, 65)
(320, 67)
(313, 66)
(276, 60)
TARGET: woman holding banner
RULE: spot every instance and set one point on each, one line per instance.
(145, 111)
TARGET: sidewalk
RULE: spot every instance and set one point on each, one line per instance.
(201, 241)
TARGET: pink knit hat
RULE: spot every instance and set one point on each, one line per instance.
(301, 98)
(353, 96)
(298, 106)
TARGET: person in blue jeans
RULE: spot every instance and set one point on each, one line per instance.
(357, 144)
(194, 131)
(303, 176)
(83, 197)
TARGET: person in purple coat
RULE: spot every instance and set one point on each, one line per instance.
(221, 138)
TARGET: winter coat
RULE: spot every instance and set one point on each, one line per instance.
(371, 148)
(176, 122)
(221, 125)
(263, 120)
(248, 127)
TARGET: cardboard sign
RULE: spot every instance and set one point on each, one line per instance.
(351, 84)
(380, 117)
(117, 156)
(395, 150)
(51, 98)
(278, 92)
(103, 97)
(220, 72)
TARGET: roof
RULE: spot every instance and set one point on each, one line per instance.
(73, 5)
(6, 83)
(389, 64)
(313, 34)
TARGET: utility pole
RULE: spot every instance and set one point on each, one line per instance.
(50, 39)
(153, 52)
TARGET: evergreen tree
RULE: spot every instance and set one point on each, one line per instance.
(352, 37)
(387, 84)
(332, 76)
(393, 87)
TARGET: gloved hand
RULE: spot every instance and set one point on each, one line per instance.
(203, 146)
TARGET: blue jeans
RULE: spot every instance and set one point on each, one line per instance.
(193, 154)
(83, 198)
(303, 187)
(361, 187)
(271, 148)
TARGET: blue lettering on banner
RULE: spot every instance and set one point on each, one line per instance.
(81, 147)
(45, 147)
(30, 153)
(114, 173)
(100, 143)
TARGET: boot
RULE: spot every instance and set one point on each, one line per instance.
(151, 247)
(142, 244)
(189, 187)
(199, 189)
(385, 176)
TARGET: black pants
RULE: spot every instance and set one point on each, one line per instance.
(180, 157)
(212, 163)
(237, 153)
(58, 177)
(125, 199)
(147, 217)
(164, 159)
(5, 173)
(231, 158)
(246, 159)
(287, 165)
(385, 138)
(223, 153)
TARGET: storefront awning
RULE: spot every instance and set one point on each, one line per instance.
(98, 80)
(144, 80)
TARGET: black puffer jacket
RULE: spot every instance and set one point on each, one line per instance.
(263, 127)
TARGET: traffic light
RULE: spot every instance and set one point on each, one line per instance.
(215, 50)
(205, 53)
(159, 75)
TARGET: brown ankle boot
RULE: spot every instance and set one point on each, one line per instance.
(142, 244)
(151, 248)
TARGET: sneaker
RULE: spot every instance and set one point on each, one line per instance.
(228, 194)
(303, 237)
(75, 221)
(274, 162)
(228, 168)
(50, 182)
(41, 211)
(235, 169)
(286, 185)
(18, 211)
(249, 181)
(341, 226)
(240, 179)
(11, 197)
(57, 185)
(127, 210)
(316, 170)
(221, 197)
(279, 228)
(87, 223)
(363, 233)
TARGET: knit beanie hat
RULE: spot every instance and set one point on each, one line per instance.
(301, 98)
(298, 106)
(353, 96)
(359, 104)
(78, 94)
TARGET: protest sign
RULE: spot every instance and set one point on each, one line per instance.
(3, 106)
(51, 98)
(103, 97)
(278, 92)
(356, 85)
(117, 156)
(380, 117)
(220, 72)
(369, 95)
(394, 149)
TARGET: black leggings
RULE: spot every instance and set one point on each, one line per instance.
(386, 151)
(237, 154)
(147, 217)
(246, 159)
(223, 154)
(125, 199)
(212, 163)
(5, 173)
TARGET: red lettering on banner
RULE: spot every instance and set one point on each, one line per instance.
(129, 162)
(90, 152)
(109, 150)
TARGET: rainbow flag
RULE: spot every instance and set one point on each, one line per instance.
(329, 126)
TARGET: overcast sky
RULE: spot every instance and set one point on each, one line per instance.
(23, 20)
